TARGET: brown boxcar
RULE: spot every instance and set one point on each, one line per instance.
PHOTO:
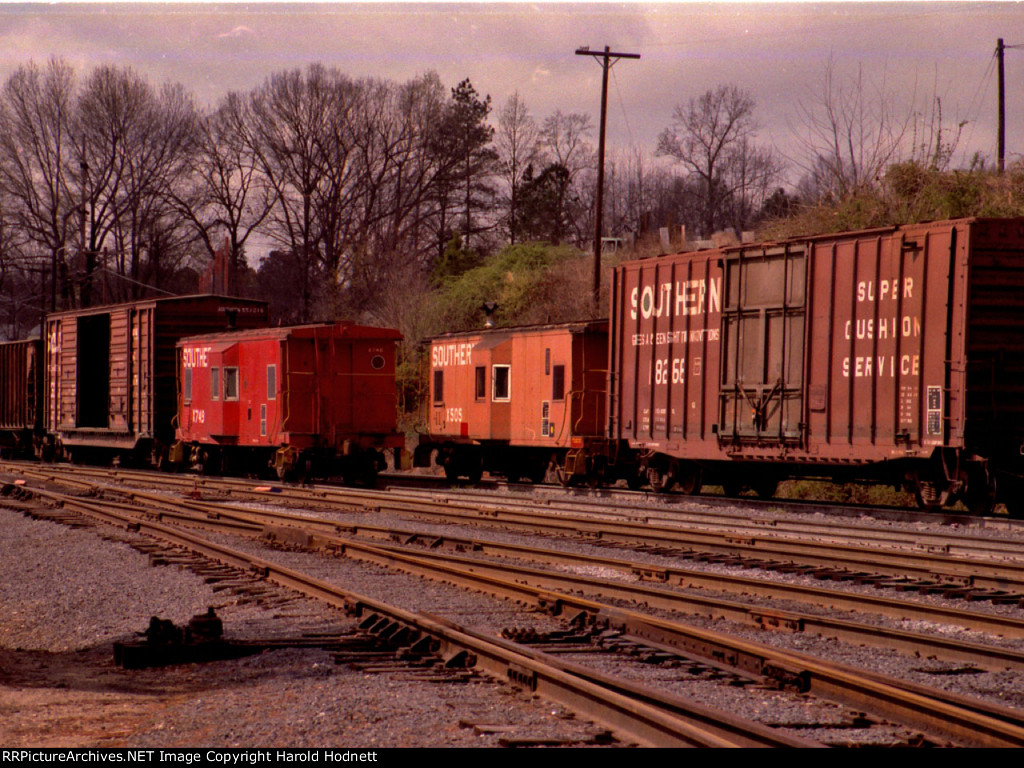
(508, 400)
(21, 394)
(110, 371)
(894, 354)
(309, 399)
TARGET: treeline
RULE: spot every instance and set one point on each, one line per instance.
(329, 195)
(410, 204)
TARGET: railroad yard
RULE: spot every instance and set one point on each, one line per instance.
(499, 616)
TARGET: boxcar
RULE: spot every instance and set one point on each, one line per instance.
(21, 395)
(110, 371)
(509, 400)
(314, 399)
(894, 354)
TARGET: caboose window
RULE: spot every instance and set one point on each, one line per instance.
(263, 419)
(187, 386)
(271, 382)
(230, 383)
(481, 382)
(215, 383)
(558, 383)
(500, 382)
(438, 386)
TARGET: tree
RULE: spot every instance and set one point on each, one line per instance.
(224, 197)
(518, 146)
(292, 114)
(133, 146)
(462, 143)
(543, 208)
(36, 112)
(852, 131)
(712, 138)
(564, 138)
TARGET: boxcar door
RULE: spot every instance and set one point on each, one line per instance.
(763, 353)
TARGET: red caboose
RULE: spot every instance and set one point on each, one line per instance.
(509, 400)
(310, 400)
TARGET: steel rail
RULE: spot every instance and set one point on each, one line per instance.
(636, 711)
(961, 720)
(961, 544)
(255, 522)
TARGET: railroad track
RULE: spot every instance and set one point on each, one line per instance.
(636, 712)
(971, 567)
(810, 672)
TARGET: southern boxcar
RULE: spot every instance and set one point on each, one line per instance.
(110, 371)
(892, 355)
(21, 395)
(510, 400)
(315, 399)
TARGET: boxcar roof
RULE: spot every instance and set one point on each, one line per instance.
(889, 229)
(161, 300)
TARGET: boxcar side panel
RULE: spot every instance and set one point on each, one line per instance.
(21, 380)
(666, 353)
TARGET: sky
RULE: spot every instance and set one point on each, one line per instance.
(778, 52)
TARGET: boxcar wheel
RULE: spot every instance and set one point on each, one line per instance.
(980, 496)
(689, 478)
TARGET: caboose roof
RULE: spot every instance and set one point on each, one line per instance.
(339, 330)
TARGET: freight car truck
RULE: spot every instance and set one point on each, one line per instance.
(889, 355)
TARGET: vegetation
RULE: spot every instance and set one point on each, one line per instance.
(412, 204)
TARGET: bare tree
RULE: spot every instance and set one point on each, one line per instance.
(571, 157)
(710, 137)
(517, 142)
(224, 196)
(133, 147)
(36, 113)
(288, 114)
(851, 132)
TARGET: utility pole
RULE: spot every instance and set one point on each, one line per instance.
(608, 58)
(1001, 151)
(1001, 154)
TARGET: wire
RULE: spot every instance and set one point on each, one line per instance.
(974, 112)
(622, 106)
(135, 282)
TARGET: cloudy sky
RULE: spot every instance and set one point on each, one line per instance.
(776, 51)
